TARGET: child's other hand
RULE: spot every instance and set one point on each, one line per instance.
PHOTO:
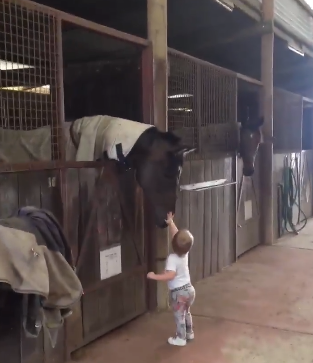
(150, 275)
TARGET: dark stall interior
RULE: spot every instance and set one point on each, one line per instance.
(102, 75)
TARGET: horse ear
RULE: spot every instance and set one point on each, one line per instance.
(183, 150)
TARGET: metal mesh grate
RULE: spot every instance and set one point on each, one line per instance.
(202, 104)
(182, 112)
(28, 64)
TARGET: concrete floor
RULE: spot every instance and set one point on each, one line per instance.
(259, 310)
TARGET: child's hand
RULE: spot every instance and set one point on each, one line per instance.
(170, 217)
(151, 275)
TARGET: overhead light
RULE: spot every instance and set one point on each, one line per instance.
(300, 52)
(183, 95)
(227, 4)
(41, 89)
(11, 66)
(296, 48)
(181, 109)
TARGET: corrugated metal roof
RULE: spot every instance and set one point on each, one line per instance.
(309, 2)
(294, 16)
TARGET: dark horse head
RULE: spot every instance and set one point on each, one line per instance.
(158, 159)
(250, 139)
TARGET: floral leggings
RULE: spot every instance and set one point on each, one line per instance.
(181, 301)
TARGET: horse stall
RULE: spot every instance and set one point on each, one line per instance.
(293, 158)
(105, 76)
(248, 188)
(56, 68)
(202, 104)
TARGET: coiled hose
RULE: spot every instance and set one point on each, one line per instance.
(290, 197)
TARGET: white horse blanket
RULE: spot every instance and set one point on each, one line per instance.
(94, 135)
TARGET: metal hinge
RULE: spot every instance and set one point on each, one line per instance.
(52, 182)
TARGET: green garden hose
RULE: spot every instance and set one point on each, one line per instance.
(290, 198)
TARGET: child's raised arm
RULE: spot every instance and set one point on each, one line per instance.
(171, 224)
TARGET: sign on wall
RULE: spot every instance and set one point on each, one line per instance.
(110, 262)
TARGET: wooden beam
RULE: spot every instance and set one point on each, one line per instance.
(266, 164)
(248, 9)
(258, 29)
(157, 33)
(248, 79)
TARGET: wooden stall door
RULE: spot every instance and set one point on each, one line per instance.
(209, 215)
(248, 217)
(20, 189)
(113, 265)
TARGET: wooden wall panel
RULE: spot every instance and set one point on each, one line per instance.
(207, 253)
(196, 221)
(248, 229)
(112, 302)
(210, 216)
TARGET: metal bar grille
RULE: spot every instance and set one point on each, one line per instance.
(182, 110)
(28, 71)
(202, 104)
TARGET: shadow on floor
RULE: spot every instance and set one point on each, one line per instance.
(257, 311)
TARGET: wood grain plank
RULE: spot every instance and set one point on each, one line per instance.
(89, 272)
(74, 329)
(185, 179)
(214, 221)
(10, 328)
(71, 208)
(230, 212)
(222, 242)
(207, 253)
(56, 354)
(91, 313)
(8, 194)
(197, 221)
(29, 189)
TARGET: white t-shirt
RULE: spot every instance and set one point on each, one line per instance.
(180, 266)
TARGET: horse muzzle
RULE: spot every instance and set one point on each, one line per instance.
(248, 171)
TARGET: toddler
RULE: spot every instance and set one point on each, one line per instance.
(182, 293)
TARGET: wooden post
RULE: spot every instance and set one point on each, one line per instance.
(157, 33)
(266, 174)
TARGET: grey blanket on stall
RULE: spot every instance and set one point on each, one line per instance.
(36, 261)
(94, 135)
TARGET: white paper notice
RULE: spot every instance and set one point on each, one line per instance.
(110, 262)
(248, 209)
